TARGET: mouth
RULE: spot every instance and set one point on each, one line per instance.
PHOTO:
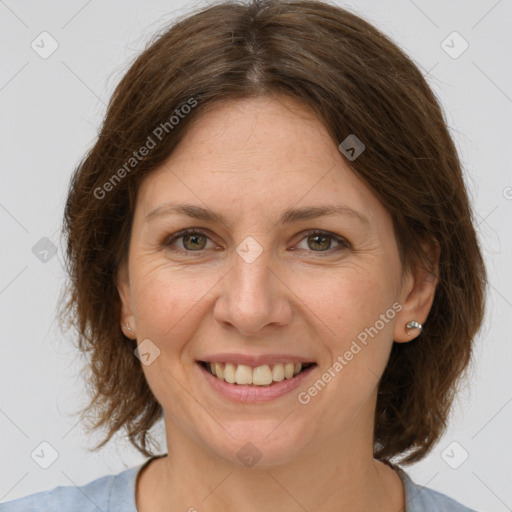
(264, 375)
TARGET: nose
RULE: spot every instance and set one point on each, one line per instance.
(254, 297)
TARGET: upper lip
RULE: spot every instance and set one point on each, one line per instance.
(255, 360)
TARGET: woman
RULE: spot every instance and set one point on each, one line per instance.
(271, 246)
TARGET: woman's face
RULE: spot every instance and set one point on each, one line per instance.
(265, 287)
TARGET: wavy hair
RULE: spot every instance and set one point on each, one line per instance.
(356, 80)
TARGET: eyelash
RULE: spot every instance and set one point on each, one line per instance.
(344, 244)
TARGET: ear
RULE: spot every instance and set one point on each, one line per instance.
(418, 291)
(123, 287)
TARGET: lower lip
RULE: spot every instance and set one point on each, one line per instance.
(253, 394)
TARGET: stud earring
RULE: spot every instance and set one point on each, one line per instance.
(128, 327)
(413, 325)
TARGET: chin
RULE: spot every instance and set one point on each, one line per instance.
(262, 445)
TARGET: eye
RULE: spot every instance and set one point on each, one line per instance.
(322, 241)
(195, 240)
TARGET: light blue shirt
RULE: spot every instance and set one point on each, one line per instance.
(116, 493)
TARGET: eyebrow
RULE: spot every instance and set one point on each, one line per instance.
(288, 217)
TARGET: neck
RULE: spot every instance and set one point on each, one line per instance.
(332, 474)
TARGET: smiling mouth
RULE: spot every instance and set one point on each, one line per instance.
(264, 375)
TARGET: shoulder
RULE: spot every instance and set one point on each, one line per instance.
(109, 493)
(423, 499)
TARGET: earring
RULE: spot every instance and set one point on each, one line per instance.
(413, 325)
(128, 327)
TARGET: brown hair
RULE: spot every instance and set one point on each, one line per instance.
(357, 81)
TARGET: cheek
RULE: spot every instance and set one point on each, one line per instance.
(168, 301)
(355, 312)
(364, 337)
(346, 301)
(356, 334)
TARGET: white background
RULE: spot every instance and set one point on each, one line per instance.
(50, 111)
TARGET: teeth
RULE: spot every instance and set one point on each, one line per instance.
(262, 375)
(243, 374)
(278, 372)
(289, 370)
(219, 372)
(229, 373)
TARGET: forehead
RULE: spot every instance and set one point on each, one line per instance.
(265, 129)
(259, 154)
